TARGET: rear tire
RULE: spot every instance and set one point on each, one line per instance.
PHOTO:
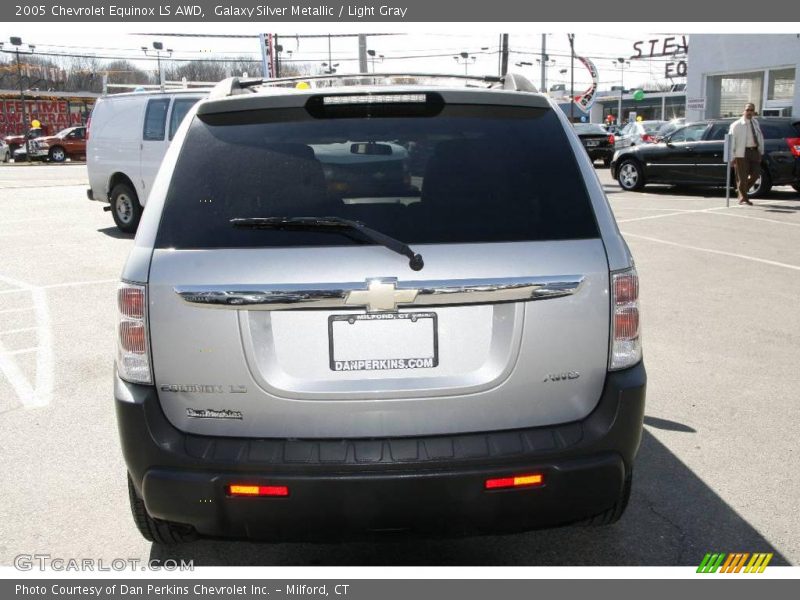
(613, 514)
(761, 187)
(630, 175)
(155, 530)
(125, 208)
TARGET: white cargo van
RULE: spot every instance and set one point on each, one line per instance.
(128, 135)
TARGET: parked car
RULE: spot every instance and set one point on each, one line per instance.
(636, 133)
(693, 155)
(5, 152)
(294, 363)
(668, 128)
(15, 142)
(127, 137)
(67, 143)
(598, 142)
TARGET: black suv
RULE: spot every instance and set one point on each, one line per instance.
(693, 155)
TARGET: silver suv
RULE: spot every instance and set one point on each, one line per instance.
(360, 309)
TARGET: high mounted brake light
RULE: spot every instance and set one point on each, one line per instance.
(375, 99)
(133, 352)
(626, 343)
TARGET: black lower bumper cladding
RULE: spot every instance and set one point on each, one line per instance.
(354, 487)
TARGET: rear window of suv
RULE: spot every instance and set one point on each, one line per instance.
(468, 173)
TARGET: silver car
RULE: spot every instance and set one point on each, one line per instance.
(439, 334)
(638, 132)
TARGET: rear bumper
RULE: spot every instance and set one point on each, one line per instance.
(351, 488)
(600, 153)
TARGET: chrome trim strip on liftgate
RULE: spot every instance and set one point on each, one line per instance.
(380, 294)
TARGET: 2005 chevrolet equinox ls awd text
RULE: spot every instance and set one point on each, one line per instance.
(359, 309)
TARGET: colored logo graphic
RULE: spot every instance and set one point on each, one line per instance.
(734, 563)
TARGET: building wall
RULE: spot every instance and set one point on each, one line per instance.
(717, 54)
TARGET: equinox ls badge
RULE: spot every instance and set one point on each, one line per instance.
(561, 376)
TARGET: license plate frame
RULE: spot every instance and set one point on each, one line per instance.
(404, 363)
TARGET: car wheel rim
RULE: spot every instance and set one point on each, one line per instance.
(58, 155)
(756, 186)
(124, 208)
(628, 175)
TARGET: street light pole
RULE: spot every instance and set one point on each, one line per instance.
(17, 42)
(158, 47)
(467, 58)
(621, 62)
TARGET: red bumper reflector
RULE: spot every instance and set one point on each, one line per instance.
(257, 490)
(530, 480)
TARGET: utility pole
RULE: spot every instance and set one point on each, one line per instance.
(278, 49)
(543, 89)
(571, 37)
(504, 55)
(362, 54)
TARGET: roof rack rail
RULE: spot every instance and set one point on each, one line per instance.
(234, 85)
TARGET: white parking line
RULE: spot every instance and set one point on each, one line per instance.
(23, 351)
(659, 209)
(62, 285)
(40, 393)
(16, 377)
(711, 251)
(15, 310)
(22, 330)
(716, 210)
(730, 214)
(78, 283)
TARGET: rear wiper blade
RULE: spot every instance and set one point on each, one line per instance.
(332, 224)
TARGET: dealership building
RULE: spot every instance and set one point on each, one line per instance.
(728, 70)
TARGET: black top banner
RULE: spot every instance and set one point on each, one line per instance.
(394, 11)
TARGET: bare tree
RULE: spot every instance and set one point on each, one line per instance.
(125, 72)
(196, 70)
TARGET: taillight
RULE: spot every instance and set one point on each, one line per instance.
(626, 344)
(647, 138)
(245, 490)
(516, 481)
(611, 139)
(133, 355)
(794, 145)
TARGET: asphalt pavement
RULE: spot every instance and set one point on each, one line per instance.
(718, 465)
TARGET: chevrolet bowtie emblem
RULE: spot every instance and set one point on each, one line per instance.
(381, 295)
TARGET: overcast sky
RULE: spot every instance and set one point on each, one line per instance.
(411, 51)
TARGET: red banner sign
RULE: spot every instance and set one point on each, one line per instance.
(54, 115)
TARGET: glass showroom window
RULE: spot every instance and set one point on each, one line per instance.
(781, 84)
